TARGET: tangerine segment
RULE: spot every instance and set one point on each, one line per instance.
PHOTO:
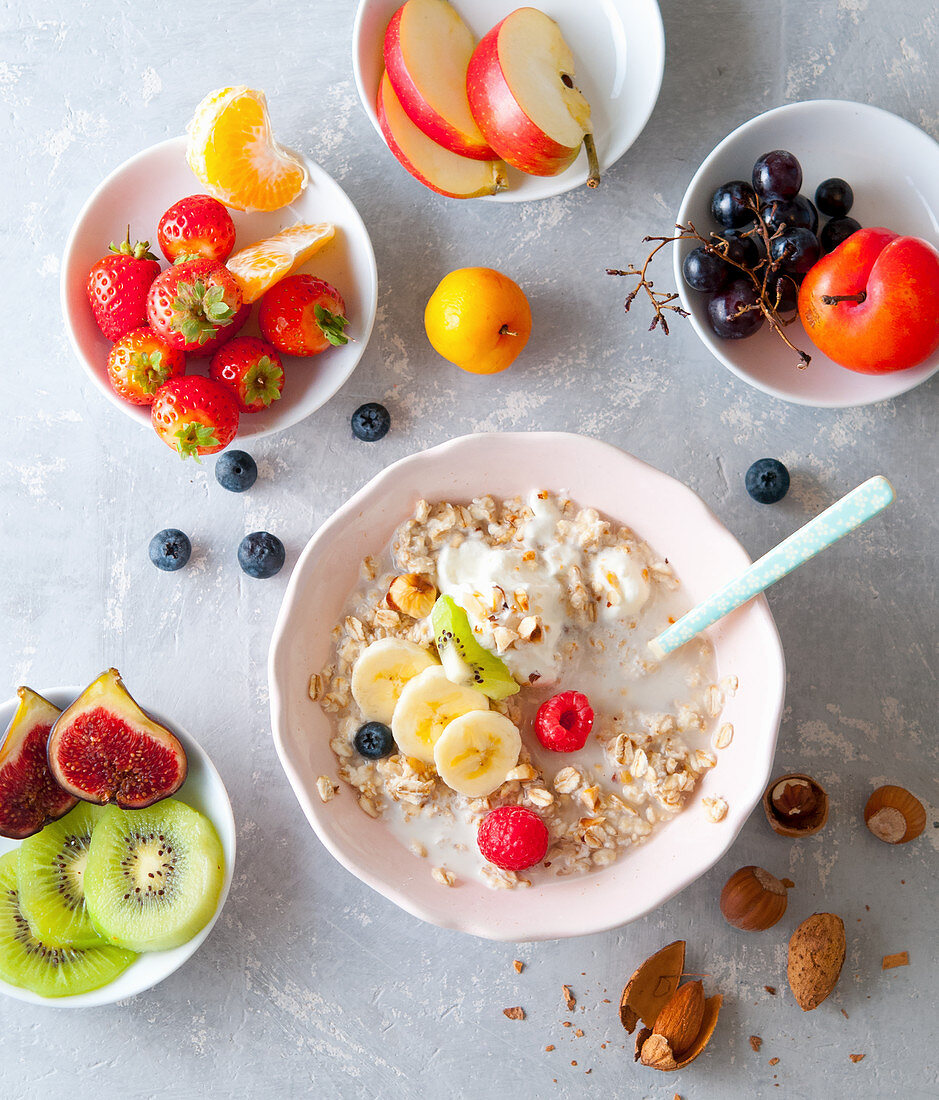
(260, 265)
(233, 154)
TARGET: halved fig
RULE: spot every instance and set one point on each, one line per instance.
(29, 795)
(104, 748)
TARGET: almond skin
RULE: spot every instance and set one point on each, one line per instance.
(680, 1020)
(816, 955)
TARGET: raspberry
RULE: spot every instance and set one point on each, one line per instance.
(563, 724)
(513, 837)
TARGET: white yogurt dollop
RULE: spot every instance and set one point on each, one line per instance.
(530, 579)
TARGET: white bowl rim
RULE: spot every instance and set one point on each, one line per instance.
(800, 107)
(553, 927)
(222, 808)
(577, 179)
(66, 275)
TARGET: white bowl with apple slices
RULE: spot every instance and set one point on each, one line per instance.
(619, 54)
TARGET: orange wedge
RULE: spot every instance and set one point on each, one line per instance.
(234, 156)
(257, 267)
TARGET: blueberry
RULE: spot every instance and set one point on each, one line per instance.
(261, 554)
(236, 471)
(374, 740)
(767, 481)
(370, 422)
(170, 549)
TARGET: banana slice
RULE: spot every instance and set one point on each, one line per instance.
(476, 752)
(428, 703)
(381, 673)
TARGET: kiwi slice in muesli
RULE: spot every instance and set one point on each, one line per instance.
(464, 660)
(154, 876)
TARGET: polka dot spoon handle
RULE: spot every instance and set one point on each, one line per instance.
(860, 505)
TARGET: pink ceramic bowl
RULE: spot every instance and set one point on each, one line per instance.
(663, 512)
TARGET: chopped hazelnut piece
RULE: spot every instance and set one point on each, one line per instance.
(516, 1013)
(755, 1043)
(569, 999)
(856, 1057)
(519, 966)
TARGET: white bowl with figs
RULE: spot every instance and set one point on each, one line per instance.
(629, 549)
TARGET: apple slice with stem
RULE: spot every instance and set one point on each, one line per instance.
(427, 49)
(437, 168)
(520, 84)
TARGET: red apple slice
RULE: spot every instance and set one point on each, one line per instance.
(29, 795)
(427, 49)
(521, 91)
(437, 168)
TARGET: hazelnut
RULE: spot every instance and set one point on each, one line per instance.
(894, 815)
(795, 805)
(411, 594)
(753, 899)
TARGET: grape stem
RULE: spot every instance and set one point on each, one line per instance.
(768, 302)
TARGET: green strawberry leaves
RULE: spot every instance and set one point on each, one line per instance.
(191, 437)
(262, 383)
(140, 250)
(199, 311)
(331, 326)
(148, 371)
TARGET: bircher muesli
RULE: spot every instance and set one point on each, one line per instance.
(497, 656)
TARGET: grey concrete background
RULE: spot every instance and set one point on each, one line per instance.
(310, 983)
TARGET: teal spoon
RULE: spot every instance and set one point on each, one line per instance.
(860, 505)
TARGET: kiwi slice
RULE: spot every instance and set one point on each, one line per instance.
(464, 660)
(153, 876)
(26, 961)
(49, 873)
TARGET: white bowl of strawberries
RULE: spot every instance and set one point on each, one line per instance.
(257, 321)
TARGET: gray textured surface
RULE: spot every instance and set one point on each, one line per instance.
(311, 983)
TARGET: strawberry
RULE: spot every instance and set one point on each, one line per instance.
(303, 315)
(192, 302)
(195, 415)
(117, 287)
(197, 226)
(140, 363)
(252, 369)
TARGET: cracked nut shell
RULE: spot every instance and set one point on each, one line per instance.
(894, 815)
(795, 805)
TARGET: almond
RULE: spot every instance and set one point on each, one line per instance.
(816, 955)
(680, 1020)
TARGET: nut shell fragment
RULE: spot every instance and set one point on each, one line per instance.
(816, 955)
(894, 815)
(795, 805)
(652, 986)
